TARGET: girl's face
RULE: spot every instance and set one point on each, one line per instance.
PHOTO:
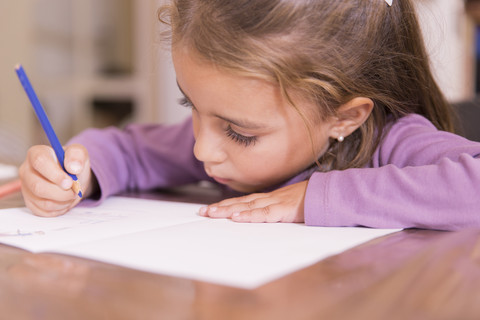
(247, 136)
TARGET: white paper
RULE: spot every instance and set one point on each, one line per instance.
(116, 216)
(170, 238)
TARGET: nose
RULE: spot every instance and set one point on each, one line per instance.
(208, 146)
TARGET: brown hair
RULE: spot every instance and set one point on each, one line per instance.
(329, 51)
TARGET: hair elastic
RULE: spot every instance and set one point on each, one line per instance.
(389, 2)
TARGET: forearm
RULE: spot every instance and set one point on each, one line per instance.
(441, 196)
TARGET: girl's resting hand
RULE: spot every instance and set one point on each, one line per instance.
(47, 189)
(282, 205)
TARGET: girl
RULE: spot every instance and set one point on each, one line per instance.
(319, 111)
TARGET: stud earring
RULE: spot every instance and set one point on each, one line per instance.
(340, 138)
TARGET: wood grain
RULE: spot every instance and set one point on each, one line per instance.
(412, 274)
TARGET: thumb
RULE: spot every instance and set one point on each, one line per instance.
(76, 156)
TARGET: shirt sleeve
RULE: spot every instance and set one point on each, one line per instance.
(141, 157)
(419, 177)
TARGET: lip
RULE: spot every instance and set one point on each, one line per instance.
(221, 180)
(209, 172)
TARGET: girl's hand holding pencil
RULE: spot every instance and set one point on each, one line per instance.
(46, 187)
(50, 170)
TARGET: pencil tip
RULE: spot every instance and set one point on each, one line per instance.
(76, 188)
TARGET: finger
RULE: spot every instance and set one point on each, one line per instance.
(77, 162)
(243, 199)
(226, 209)
(42, 160)
(271, 213)
(36, 186)
(48, 203)
(214, 212)
(53, 210)
(76, 156)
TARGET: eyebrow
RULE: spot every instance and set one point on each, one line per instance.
(242, 123)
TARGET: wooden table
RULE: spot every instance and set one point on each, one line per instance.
(412, 274)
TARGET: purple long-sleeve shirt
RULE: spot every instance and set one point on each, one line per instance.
(418, 177)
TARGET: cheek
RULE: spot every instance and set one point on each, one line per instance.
(278, 160)
(256, 166)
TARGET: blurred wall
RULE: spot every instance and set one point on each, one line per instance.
(16, 44)
(449, 37)
(88, 57)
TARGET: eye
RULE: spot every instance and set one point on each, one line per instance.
(185, 102)
(239, 138)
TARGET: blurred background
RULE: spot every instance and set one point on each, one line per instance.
(96, 63)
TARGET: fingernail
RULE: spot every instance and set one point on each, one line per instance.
(75, 167)
(235, 214)
(66, 184)
(212, 209)
(202, 211)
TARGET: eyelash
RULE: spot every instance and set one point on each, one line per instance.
(235, 136)
(239, 138)
(185, 102)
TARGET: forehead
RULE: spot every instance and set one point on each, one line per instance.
(188, 63)
(206, 84)
(240, 96)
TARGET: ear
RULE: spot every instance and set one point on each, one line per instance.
(350, 116)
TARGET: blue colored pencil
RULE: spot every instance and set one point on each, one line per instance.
(47, 127)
